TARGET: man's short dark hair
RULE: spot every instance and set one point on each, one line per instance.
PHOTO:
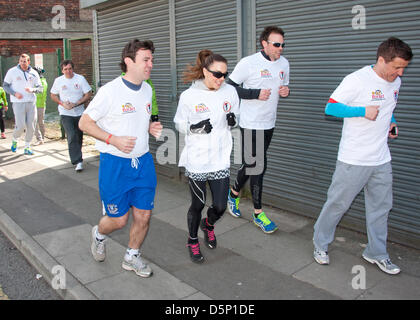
(65, 63)
(394, 48)
(269, 30)
(131, 49)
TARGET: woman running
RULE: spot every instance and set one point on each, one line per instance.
(205, 114)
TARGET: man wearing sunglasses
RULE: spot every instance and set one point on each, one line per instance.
(265, 78)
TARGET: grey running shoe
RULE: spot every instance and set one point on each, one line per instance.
(137, 265)
(321, 256)
(97, 247)
(385, 265)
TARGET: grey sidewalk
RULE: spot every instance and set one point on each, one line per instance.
(48, 210)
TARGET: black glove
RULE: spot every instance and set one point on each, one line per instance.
(154, 118)
(231, 119)
(203, 127)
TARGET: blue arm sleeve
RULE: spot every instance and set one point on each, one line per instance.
(343, 111)
(393, 119)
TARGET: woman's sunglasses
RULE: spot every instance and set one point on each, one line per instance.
(218, 74)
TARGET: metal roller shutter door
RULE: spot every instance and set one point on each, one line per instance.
(322, 48)
(142, 20)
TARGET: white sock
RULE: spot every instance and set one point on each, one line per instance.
(99, 236)
(130, 253)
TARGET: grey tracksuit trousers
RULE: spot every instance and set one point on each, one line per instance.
(25, 118)
(348, 180)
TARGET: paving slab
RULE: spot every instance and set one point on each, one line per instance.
(398, 287)
(337, 277)
(280, 251)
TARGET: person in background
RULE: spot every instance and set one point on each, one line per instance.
(70, 91)
(3, 110)
(41, 104)
(22, 83)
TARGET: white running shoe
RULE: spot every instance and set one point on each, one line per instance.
(137, 265)
(79, 167)
(385, 265)
(97, 247)
(321, 256)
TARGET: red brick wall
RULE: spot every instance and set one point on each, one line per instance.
(81, 54)
(37, 10)
(15, 47)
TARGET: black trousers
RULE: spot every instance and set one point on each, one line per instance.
(74, 138)
(1, 119)
(254, 162)
(219, 190)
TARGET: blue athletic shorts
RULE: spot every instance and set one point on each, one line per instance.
(125, 182)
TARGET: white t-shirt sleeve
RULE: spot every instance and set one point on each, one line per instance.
(99, 106)
(286, 80)
(235, 103)
(85, 85)
(240, 73)
(55, 87)
(181, 116)
(347, 91)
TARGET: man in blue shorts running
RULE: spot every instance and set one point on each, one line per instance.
(119, 118)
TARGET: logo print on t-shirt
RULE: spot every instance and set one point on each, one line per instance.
(77, 86)
(265, 74)
(227, 106)
(396, 95)
(377, 95)
(128, 108)
(281, 75)
(149, 108)
(201, 108)
(64, 87)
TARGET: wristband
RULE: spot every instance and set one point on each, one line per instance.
(107, 139)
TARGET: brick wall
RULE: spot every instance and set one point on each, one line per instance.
(15, 47)
(81, 54)
(37, 10)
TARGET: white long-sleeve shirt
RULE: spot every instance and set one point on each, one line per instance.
(206, 152)
(19, 80)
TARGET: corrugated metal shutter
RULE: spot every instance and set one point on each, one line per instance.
(209, 24)
(142, 20)
(322, 48)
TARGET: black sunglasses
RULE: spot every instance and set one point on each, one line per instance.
(218, 74)
(277, 44)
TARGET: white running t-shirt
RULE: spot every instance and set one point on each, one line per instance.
(121, 111)
(365, 142)
(71, 90)
(256, 72)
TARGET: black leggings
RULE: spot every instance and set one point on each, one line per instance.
(219, 190)
(255, 170)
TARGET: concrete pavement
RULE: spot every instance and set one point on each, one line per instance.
(48, 210)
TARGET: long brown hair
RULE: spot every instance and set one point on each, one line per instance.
(205, 58)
